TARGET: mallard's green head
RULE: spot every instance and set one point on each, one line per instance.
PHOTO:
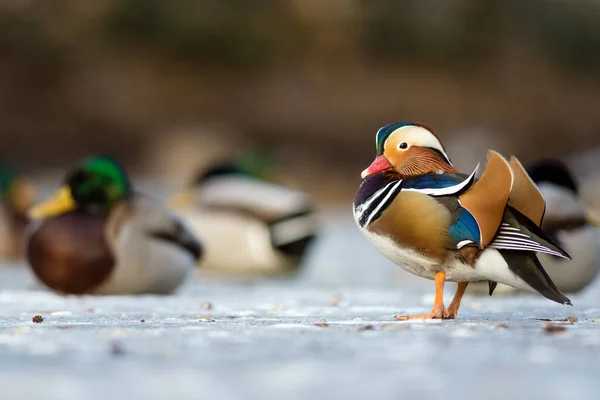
(94, 185)
(255, 164)
(98, 183)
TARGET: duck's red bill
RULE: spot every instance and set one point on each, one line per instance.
(379, 164)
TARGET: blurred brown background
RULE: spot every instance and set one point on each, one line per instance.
(166, 86)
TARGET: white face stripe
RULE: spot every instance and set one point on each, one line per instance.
(419, 136)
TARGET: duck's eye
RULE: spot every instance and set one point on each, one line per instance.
(403, 146)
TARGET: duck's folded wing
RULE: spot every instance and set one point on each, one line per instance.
(487, 198)
(259, 199)
(293, 233)
(178, 235)
(517, 232)
(157, 222)
(463, 230)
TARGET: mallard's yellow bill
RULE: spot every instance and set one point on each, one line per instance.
(183, 199)
(60, 203)
(592, 217)
(594, 222)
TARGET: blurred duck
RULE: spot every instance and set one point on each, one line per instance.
(437, 223)
(17, 195)
(97, 236)
(248, 224)
(565, 221)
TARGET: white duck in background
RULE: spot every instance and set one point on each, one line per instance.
(565, 220)
(248, 224)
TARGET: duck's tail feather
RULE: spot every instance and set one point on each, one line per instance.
(293, 234)
(527, 267)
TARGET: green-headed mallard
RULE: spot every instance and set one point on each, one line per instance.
(18, 194)
(248, 224)
(98, 236)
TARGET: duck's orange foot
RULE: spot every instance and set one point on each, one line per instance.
(437, 313)
(451, 312)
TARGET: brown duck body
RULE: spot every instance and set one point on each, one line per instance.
(56, 252)
(137, 247)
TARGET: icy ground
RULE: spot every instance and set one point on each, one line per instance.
(330, 333)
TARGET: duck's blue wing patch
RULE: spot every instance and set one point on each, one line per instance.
(465, 229)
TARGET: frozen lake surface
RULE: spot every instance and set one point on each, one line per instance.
(329, 333)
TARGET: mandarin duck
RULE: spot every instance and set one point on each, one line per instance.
(437, 223)
(97, 236)
(17, 194)
(566, 222)
(249, 224)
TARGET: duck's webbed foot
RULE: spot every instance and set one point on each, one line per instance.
(439, 311)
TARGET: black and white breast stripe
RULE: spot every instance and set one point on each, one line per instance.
(511, 238)
(371, 209)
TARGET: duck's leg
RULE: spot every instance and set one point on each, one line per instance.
(439, 312)
(452, 310)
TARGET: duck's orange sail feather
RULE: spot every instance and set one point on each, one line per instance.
(487, 198)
